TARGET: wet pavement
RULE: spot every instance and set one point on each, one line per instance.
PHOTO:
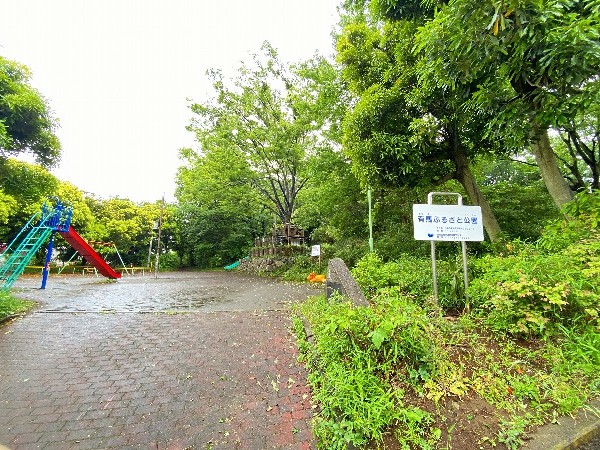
(173, 291)
(189, 360)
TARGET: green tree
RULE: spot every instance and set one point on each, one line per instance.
(28, 185)
(261, 120)
(534, 63)
(8, 207)
(213, 237)
(26, 122)
(578, 150)
(332, 206)
(130, 227)
(219, 213)
(402, 132)
(72, 196)
(518, 195)
(219, 179)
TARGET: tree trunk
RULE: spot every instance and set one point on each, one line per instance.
(545, 158)
(465, 177)
(491, 225)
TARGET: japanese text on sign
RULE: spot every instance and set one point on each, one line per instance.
(447, 223)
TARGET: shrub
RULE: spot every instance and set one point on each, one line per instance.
(10, 305)
(413, 277)
(555, 284)
(532, 293)
(351, 250)
(356, 355)
(169, 261)
(580, 222)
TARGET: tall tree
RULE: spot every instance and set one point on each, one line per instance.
(535, 63)
(578, 149)
(261, 119)
(29, 185)
(401, 131)
(333, 205)
(219, 213)
(26, 122)
(129, 226)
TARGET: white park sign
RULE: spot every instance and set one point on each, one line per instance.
(447, 223)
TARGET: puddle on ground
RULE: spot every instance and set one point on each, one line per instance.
(173, 291)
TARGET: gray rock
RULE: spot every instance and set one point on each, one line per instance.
(339, 279)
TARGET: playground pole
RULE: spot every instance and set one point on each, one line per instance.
(47, 264)
(150, 251)
(119, 255)
(160, 221)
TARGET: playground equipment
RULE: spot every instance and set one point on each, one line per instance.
(35, 233)
(103, 244)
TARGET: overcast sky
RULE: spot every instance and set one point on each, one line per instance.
(117, 74)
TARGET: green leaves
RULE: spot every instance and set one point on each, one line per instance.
(535, 293)
(263, 118)
(10, 305)
(381, 333)
(353, 361)
(26, 122)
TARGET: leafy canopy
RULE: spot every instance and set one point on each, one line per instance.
(26, 122)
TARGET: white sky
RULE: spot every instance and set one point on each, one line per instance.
(117, 74)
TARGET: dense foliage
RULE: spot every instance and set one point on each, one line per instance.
(26, 122)
(11, 306)
(495, 100)
(528, 326)
(129, 226)
(539, 290)
(353, 368)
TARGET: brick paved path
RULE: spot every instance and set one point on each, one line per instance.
(158, 380)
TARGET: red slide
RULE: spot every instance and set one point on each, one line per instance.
(90, 255)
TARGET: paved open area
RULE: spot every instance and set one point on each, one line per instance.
(189, 360)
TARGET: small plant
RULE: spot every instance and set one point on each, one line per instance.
(415, 429)
(534, 293)
(511, 432)
(10, 305)
(356, 357)
(581, 218)
(413, 277)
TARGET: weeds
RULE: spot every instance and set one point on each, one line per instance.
(355, 362)
(529, 348)
(10, 305)
(364, 361)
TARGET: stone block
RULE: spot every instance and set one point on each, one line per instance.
(339, 279)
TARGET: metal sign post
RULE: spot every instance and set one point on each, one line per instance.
(370, 222)
(447, 223)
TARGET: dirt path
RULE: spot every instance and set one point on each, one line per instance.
(189, 360)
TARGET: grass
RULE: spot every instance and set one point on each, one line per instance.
(10, 305)
(397, 376)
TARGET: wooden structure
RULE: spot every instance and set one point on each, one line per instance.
(289, 234)
(285, 238)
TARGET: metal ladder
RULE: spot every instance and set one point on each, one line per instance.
(17, 259)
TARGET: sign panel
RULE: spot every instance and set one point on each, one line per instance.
(315, 250)
(447, 223)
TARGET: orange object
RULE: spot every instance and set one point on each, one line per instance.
(314, 278)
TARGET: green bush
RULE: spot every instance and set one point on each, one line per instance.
(413, 277)
(169, 261)
(541, 288)
(351, 250)
(580, 223)
(356, 355)
(10, 305)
